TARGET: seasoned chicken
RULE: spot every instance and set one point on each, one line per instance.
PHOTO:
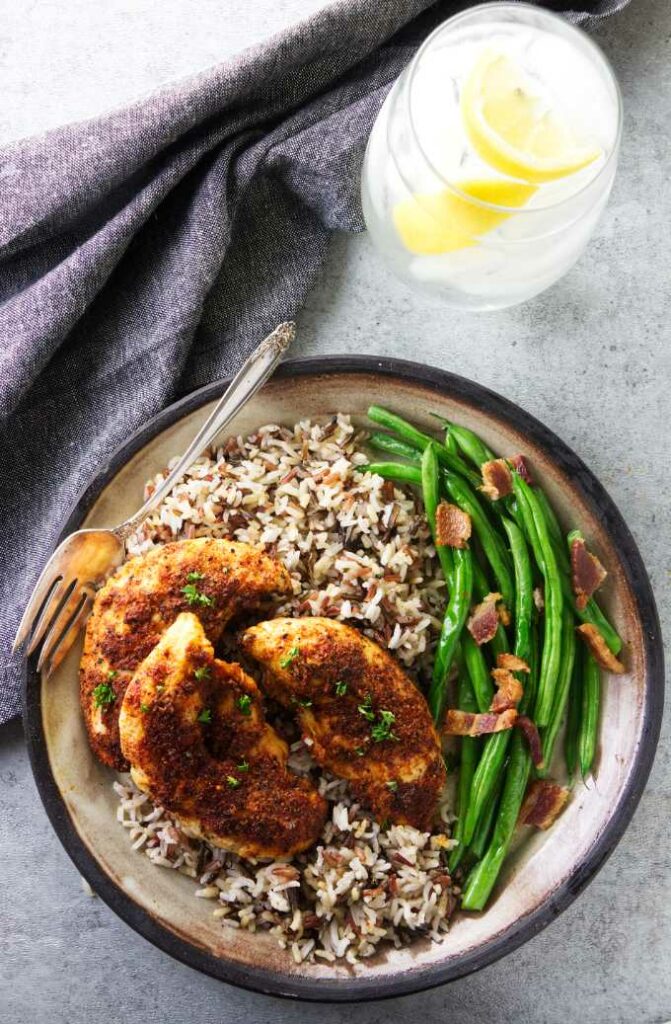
(195, 735)
(215, 579)
(367, 721)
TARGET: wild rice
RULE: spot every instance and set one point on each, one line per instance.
(358, 549)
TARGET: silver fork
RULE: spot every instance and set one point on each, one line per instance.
(64, 593)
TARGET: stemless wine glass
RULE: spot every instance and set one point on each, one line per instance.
(452, 199)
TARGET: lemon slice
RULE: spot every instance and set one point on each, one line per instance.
(512, 129)
(443, 221)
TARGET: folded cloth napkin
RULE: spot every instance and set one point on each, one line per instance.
(144, 253)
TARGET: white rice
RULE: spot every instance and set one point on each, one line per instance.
(358, 550)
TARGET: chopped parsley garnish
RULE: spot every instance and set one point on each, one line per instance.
(202, 673)
(386, 824)
(392, 784)
(242, 767)
(366, 709)
(302, 702)
(144, 708)
(205, 716)
(103, 695)
(288, 658)
(382, 729)
(341, 689)
(359, 751)
(112, 674)
(193, 577)
(245, 704)
(232, 781)
(194, 596)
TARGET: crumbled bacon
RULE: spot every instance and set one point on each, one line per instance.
(466, 723)
(497, 480)
(509, 690)
(600, 649)
(532, 737)
(518, 462)
(544, 801)
(587, 572)
(511, 662)
(484, 620)
(453, 526)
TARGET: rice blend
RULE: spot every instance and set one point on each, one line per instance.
(359, 550)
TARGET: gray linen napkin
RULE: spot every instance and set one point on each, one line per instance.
(144, 253)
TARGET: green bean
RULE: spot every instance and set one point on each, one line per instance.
(388, 443)
(492, 543)
(574, 716)
(591, 613)
(568, 648)
(431, 496)
(589, 720)
(489, 772)
(487, 775)
(544, 554)
(478, 671)
(471, 445)
(393, 471)
(483, 832)
(554, 528)
(524, 599)
(453, 624)
(470, 751)
(482, 877)
(418, 440)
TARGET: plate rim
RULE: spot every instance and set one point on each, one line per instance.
(358, 989)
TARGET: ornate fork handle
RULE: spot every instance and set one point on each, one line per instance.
(253, 374)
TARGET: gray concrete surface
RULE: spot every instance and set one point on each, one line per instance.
(592, 359)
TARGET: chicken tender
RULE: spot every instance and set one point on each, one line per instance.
(367, 722)
(194, 732)
(215, 579)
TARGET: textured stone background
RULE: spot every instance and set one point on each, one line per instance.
(591, 358)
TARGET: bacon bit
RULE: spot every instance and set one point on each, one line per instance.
(543, 803)
(465, 723)
(587, 572)
(518, 462)
(509, 692)
(532, 737)
(599, 649)
(497, 480)
(484, 620)
(453, 526)
(512, 662)
(538, 599)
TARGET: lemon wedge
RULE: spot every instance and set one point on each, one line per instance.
(440, 222)
(512, 130)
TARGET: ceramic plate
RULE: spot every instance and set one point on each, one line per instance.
(545, 873)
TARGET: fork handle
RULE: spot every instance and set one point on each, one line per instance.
(253, 375)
